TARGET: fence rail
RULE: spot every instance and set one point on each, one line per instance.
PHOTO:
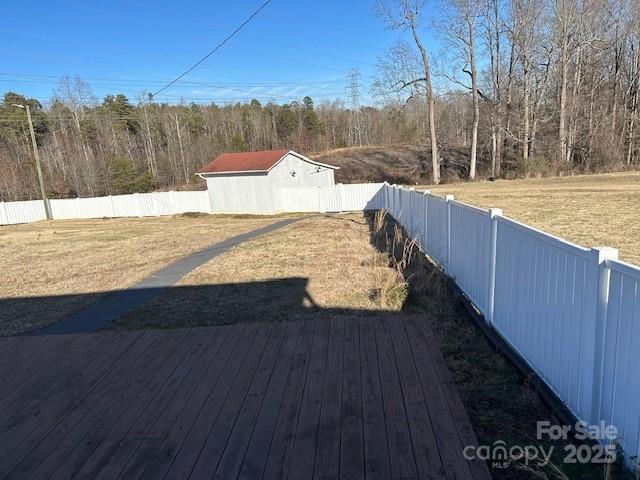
(573, 314)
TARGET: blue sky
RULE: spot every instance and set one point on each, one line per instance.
(291, 49)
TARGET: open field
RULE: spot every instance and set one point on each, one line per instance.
(90, 257)
(590, 210)
(314, 265)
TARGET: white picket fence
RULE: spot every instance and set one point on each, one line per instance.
(573, 314)
(331, 198)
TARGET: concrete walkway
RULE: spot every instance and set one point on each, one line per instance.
(102, 313)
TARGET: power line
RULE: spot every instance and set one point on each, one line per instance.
(220, 45)
(134, 82)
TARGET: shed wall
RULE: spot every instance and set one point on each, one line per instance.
(248, 193)
(262, 193)
(306, 174)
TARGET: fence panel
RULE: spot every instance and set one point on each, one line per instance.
(395, 196)
(95, 207)
(148, 204)
(470, 256)
(436, 238)
(620, 382)
(64, 208)
(126, 206)
(328, 198)
(300, 200)
(405, 208)
(542, 297)
(334, 198)
(412, 213)
(22, 212)
(362, 196)
(184, 202)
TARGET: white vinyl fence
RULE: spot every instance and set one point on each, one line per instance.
(333, 198)
(573, 314)
(134, 205)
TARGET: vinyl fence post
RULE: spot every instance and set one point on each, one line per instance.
(136, 197)
(341, 200)
(386, 196)
(599, 279)
(409, 227)
(78, 208)
(156, 203)
(425, 218)
(448, 199)
(172, 202)
(494, 213)
(403, 206)
(394, 204)
(320, 203)
(4, 218)
(112, 207)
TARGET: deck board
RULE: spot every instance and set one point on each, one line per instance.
(339, 397)
(69, 444)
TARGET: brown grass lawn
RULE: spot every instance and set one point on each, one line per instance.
(77, 260)
(590, 210)
(318, 264)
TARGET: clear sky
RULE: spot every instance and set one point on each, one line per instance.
(291, 49)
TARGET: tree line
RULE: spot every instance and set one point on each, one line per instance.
(548, 86)
(523, 87)
(113, 146)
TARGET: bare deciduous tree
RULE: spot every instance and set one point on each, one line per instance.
(405, 15)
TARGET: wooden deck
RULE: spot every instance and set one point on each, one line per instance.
(342, 398)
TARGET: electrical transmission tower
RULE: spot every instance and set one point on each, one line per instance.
(355, 133)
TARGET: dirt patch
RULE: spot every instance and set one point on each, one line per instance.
(323, 265)
(501, 404)
(402, 164)
(52, 269)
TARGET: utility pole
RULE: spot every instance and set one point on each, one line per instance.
(43, 192)
(356, 125)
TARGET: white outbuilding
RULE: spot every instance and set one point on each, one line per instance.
(255, 182)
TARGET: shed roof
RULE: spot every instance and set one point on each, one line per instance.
(251, 162)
